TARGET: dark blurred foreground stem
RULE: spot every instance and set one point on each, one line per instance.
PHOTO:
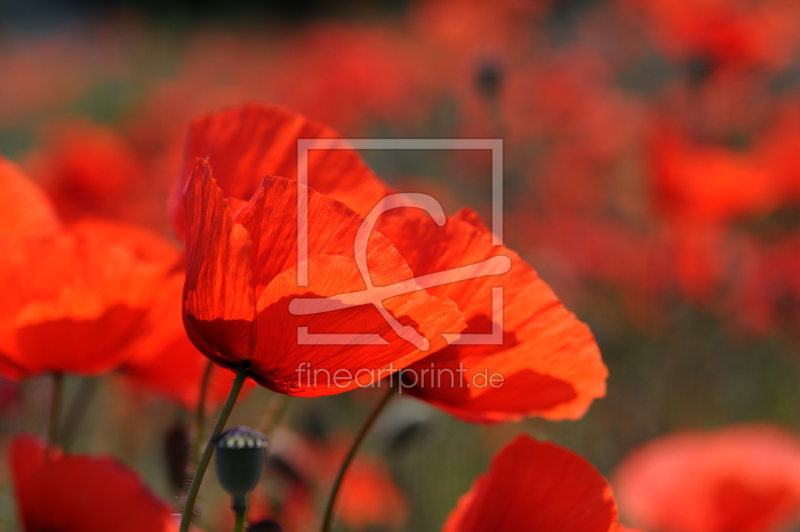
(200, 415)
(55, 409)
(77, 411)
(327, 522)
(194, 489)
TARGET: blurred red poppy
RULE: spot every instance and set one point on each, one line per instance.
(548, 360)
(534, 485)
(88, 169)
(77, 298)
(367, 72)
(79, 493)
(738, 479)
(164, 361)
(766, 292)
(24, 209)
(369, 497)
(734, 32)
(242, 274)
(708, 182)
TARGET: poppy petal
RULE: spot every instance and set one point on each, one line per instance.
(79, 298)
(219, 301)
(534, 485)
(742, 478)
(271, 219)
(24, 209)
(548, 360)
(246, 143)
(75, 493)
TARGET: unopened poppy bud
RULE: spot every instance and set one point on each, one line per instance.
(239, 458)
(267, 525)
(488, 80)
(176, 452)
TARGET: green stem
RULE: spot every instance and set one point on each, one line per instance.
(362, 434)
(22, 405)
(55, 409)
(77, 411)
(200, 415)
(240, 510)
(276, 409)
(194, 489)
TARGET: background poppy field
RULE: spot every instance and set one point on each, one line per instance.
(651, 174)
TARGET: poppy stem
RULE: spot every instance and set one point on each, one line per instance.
(276, 409)
(194, 489)
(200, 415)
(22, 405)
(327, 522)
(240, 510)
(77, 411)
(55, 409)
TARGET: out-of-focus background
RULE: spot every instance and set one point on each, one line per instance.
(651, 172)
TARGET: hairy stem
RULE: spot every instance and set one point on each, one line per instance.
(200, 415)
(362, 434)
(77, 411)
(194, 489)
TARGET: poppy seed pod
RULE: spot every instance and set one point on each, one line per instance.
(239, 458)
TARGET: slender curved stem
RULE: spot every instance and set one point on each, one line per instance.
(55, 409)
(194, 489)
(77, 411)
(362, 434)
(200, 415)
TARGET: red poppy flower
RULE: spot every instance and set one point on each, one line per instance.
(738, 479)
(731, 31)
(468, 28)
(24, 209)
(545, 361)
(710, 183)
(242, 274)
(369, 497)
(89, 169)
(77, 298)
(78, 493)
(767, 288)
(368, 73)
(544, 347)
(534, 485)
(246, 143)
